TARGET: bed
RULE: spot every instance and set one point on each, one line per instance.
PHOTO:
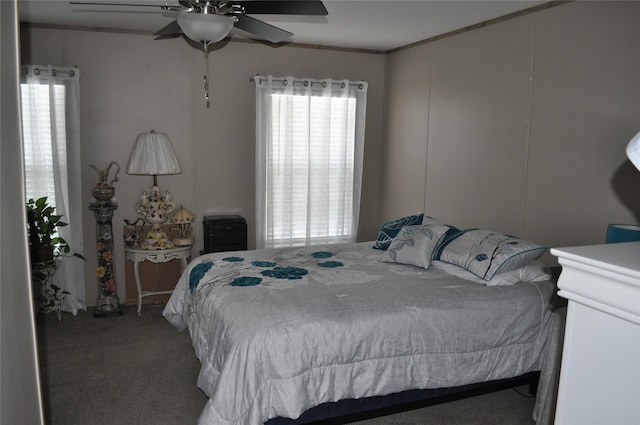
(282, 331)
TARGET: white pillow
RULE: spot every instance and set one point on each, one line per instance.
(486, 253)
(414, 245)
(533, 272)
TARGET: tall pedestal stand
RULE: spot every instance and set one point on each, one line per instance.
(108, 303)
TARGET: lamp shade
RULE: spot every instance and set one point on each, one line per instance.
(153, 155)
(205, 27)
(623, 233)
(633, 150)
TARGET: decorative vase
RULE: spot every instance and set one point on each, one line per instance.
(104, 190)
(103, 194)
(130, 233)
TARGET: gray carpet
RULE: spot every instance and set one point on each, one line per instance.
(140, 370)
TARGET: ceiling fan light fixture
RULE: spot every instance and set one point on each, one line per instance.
(205, 27)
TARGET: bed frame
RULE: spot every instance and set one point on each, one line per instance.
(351, 410)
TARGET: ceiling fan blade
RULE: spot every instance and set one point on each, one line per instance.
(86, 3)
(278, 7)
(173, 29)
(262, 29)
(189, 4)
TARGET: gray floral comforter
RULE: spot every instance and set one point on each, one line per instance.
(279, 331)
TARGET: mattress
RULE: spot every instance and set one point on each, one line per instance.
(279, 331)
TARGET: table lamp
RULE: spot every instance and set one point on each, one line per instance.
(627, 232)
(633, 151)
(152, 155)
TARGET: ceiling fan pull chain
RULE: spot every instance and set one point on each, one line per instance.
(205, 78)
(206, 90)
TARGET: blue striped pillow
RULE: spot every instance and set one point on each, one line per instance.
(390, 229)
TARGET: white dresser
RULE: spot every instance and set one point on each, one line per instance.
(600, 373)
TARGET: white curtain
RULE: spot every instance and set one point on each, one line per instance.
(309, 154)
(51, 132)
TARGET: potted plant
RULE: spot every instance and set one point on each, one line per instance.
(44, 241)
(45, 245)
(51, 295)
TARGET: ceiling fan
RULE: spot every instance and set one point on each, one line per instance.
(209, 21)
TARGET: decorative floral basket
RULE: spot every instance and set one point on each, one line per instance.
(155, 209)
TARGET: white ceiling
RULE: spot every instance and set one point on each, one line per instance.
(362, 24)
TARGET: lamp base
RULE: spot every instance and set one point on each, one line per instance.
(156, 239)
(155, 209)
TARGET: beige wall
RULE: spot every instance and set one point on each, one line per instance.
(406, 124)
(522, 125)
(132, 84)
(518, 127)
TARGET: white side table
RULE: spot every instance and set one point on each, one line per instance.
(138, 255)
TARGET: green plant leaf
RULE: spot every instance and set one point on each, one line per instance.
(40, 203)
(75, 254)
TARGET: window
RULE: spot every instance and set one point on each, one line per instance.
(40, 105)
(309, 161)
(50, 113)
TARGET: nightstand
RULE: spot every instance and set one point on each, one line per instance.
(600, 367)
(138, 255)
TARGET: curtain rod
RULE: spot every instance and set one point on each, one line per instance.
(54, 71)
(307, 82)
